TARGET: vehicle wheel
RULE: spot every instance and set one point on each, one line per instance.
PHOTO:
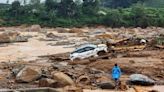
(101, 53)
(76, 59)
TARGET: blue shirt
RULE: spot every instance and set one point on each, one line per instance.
(116, 72)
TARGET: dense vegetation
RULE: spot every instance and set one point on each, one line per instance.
(70, 13)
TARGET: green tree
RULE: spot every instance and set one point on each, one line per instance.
(7, 1)
(15, 8)
(139, 16)
(90, 7)
(67, 8)
(123, 3)
(113, 19)
(51, 5)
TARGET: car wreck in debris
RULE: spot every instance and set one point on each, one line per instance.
(88, 50)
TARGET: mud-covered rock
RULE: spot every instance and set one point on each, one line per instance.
(45, 82)
(106, 85)
(35, 28)
(10, 36)
(139, 79)
(62, 78)
(28, 74)
(2, 29)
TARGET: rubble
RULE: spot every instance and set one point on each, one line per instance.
(126, 49)
(28, 74)
(139, 79)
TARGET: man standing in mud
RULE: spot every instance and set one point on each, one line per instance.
(116, 73)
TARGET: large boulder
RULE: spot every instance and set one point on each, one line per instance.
(11, 36)
(35, 28)
(4, 38)
(8, 36)
(2, 29)
(105, 82)
(63, 79)
(139, 79)
(106, 85)
(28, 74)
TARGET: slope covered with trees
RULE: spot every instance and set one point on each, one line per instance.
(70, 13)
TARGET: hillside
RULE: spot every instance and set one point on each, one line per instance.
(154, 3)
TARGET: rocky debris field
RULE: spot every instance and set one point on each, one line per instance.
(44, 61)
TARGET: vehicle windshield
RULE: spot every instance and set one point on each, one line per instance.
(83, 50)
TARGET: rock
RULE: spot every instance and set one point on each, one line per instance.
(10, 36)
(4, 38)
(123, 86)
(75, 30)
(17, 69)
(98, 31)
(63, 78)
(72, 89)
(106, 85)
(28, 74)
(54, 37)
(104, 36)
(139, 79)
(62, 30)
(83, 80)
(131, 90)
(63, 42)
(50, 35)
(2, 29)
(20, 39)
(35, 28)
(45, 82)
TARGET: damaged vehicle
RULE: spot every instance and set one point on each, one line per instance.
(88, 50)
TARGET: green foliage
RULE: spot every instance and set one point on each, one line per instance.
(154, 3)
(113, 18)
(68, 13)
(67, 8)
(90, 7)
(120, 3)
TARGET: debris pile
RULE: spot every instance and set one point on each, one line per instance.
(128, 48)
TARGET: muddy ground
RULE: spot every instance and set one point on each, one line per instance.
(50, 53)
